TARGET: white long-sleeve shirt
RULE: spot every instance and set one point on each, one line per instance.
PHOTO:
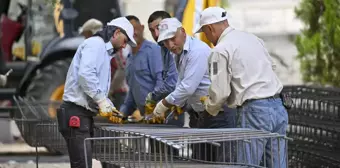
(240, 69)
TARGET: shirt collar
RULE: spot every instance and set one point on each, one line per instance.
(186, 46)
(109, 48)
(225, 32)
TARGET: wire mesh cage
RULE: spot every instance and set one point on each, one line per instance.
(36, 127)
(314, 124)
(296, 90)
(185, 147)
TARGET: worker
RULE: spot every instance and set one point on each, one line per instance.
(169, 74)
(143, 70)
(191, 57)
(90, 27)
(242, 74)
(87, 86)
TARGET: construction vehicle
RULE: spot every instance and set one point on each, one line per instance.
(42, 77)
(39, 70)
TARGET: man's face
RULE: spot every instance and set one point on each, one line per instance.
(138, 31)
(176, 43)
(119, 40)
(153, 27)
(209, 32)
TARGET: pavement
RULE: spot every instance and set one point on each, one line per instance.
(20, 155)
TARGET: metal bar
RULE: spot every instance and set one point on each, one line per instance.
(102, 138)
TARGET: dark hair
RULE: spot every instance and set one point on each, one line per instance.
(108, 32)
(132, 17)
(158, 14)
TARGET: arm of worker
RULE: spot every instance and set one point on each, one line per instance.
(169, 83)
(267, 54)
(193, 74)
(220, 76)
(129, 105)
(91, 58)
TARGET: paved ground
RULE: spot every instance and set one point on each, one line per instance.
(20, 155)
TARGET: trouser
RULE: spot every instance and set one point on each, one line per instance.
(118, 99)
(75, 136)
(269, 115)
(206, 151)
(171, 120)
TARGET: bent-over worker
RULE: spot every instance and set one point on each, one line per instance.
(87, 87)
(242, 74)
(191, 58)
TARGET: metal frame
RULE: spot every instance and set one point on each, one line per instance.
(135, 146)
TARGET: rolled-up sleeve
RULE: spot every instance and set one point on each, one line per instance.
(220, 76)
(169, 83)
(91, 58)
(193, 75)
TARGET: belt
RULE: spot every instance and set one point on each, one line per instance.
(77, 109)
(271, 97)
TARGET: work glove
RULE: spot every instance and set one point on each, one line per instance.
(117, 117)
(177, 111)
(204, 101)
(160, 109)
(3, 80)
(106, 107)
(149, 108)
(149, 100)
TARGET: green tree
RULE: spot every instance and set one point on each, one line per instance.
(319, 42)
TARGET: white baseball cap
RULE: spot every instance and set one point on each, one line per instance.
(168, 28)
(211, 15)
(124, 24)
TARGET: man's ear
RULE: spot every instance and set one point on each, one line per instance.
(182, 30)
(142, 28)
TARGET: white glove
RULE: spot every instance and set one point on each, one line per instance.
(3, 80)
(106, 106)
(160, 109)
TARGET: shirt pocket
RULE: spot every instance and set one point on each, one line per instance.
(142, 67)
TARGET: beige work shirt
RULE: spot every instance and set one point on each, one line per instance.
(240, 69)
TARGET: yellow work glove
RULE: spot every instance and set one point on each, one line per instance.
(203, 99)
(106, 107)
(177, 111)
(149, 108)
(117, 117)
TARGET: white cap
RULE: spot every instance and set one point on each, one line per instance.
(168, 28)
(124, 24)
(92, 25)
(211, 15)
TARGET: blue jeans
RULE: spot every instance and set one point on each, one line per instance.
(208, 152)
(268, 115)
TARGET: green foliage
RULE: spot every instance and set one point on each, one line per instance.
(319, 42)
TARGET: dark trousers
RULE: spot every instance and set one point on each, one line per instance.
(75, 137)
(206, 151)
